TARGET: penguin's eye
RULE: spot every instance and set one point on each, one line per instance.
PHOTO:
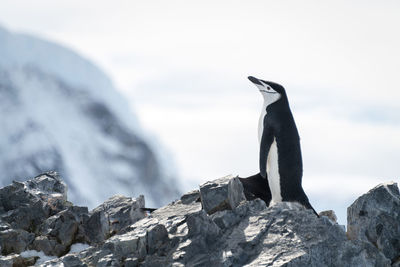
(268, 88)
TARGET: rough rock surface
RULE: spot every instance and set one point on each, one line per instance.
(330, 214)
(375, 217)
(35, 215)
(14, 260)
(221, 194)
(230, 231)
(113, 216)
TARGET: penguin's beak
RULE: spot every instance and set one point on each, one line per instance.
(254, 80)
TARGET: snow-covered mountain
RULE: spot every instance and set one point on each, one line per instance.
(58, 111)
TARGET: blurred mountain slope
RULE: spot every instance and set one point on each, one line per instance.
(58, 111)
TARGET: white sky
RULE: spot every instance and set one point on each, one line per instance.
(183, 66)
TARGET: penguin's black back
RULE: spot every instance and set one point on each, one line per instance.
(280, 119)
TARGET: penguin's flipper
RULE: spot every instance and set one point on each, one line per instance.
(266, 141)
(256, 187)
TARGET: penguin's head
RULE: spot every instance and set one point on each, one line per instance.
(272, 92)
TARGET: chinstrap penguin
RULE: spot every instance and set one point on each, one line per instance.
(280, 159)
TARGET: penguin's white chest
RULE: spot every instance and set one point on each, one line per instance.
(274, 180)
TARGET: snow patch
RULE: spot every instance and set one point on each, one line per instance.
(33, 253)
(78, 247)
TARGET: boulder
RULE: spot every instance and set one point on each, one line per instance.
(60, 231)
(48, 245)
(375, 218)
(25, 205)
(190, 197)
(221, 194)
(15, 241)
(14, 260)
(97, 227)
(48, 187)
(72, 261)
(329, 214)
(200, 225)
(111, 217)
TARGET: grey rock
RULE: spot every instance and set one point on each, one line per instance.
(330, 214)
(375, 217)
(27, 217)
(72, 261)
(157, 236)
(15, 241)
(111, 217)
(221, 194)
(4, 226)
(147, 240)
(26, 205)
(8, 261)
(190, 197)
(201, 225)
(283, 235)
(147, 237)
(14, 260)
(48, 187)
(36, 215)
(69, 260)
(133, 244)
(48, 245)
(97, 227)
(131, 262)
(108, 261)
(233, 232)
(60, 231)
(225, 218)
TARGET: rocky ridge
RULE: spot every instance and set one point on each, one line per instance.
(212, 226)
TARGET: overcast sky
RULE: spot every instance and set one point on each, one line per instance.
(183, 66)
